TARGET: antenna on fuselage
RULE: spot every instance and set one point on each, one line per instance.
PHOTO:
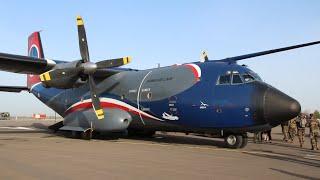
(204, 57)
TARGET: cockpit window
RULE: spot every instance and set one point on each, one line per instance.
(247, 78)
(224, 79)
(236, 79)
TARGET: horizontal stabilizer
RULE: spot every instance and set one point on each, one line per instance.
(15, 89)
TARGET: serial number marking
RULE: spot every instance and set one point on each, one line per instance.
(132, 90)
(160, 79)
(146, 90)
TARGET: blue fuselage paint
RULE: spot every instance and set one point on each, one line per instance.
(205, 104)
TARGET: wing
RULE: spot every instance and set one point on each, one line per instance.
(25, 64)
(247, 56)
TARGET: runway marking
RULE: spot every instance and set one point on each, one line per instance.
(17, 128)
(312, 157)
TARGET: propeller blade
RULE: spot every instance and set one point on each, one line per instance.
(205, 56)
(113, 62)
(82, 40)
(95, 99)
(60, 73)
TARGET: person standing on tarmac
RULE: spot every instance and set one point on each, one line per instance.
(292, 129)
(257, 137)
(301, 125)
(314, 126)
(285, 130)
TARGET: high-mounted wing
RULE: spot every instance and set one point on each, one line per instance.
(24, 64)
(262, 53)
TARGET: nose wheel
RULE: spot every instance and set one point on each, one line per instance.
(235, 141)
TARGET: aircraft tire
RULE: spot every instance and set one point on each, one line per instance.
(233, 141)
(75, 134)
(244, 142)
(86, 135)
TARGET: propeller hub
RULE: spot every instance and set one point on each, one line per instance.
(89, 67)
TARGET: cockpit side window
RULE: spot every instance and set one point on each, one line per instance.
(225, 79)
(247, 78)
(236, 79)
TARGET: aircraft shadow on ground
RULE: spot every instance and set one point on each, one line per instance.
(289, 145)
(182, 140)
(163, 139)
(289, 158)
(294, 174)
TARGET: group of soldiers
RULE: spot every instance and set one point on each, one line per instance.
(298, 125)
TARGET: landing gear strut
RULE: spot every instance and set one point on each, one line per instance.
(87, 135)
(235, 141)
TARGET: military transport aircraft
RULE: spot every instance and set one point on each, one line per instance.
(214, 96)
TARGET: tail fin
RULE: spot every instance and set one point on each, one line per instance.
(34, 50)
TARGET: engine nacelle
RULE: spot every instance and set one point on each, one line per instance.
(115, 120)
(65, 83)
(64, 76)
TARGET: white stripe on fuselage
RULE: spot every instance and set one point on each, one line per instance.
(34, 86)
(138, 96)
(197, 69)
(117, 102)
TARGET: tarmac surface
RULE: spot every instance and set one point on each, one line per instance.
(27, 151)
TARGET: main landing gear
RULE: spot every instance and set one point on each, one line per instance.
(235, 141)
(86, 135)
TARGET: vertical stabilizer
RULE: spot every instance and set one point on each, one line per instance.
(34, 50)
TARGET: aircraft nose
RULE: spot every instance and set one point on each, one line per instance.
(280, 107)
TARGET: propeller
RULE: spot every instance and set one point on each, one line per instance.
(89, 68)
(67, 75)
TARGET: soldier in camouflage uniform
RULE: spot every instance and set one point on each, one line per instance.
(285, 130)
(292, 129)
(301, 122)
(314, 126)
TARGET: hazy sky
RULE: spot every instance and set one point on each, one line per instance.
(169, 32)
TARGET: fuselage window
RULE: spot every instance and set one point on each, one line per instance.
(247, 78)
(236, 79)
(224, 79)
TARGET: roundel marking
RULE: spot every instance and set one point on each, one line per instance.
(34, 51)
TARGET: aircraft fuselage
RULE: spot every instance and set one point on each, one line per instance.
(196, 97)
